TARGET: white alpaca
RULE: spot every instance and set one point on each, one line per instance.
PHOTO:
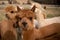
(49, 21)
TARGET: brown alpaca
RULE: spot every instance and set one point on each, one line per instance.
(25, 21)
(8, 31)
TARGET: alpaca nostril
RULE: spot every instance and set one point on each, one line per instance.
(24, 23)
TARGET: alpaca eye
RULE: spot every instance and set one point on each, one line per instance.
(18, 18)
(12, 12)
(30, 18)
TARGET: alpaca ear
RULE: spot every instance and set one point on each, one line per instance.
(18, 9)
(33, 8)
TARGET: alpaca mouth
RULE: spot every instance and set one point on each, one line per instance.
(25, 29)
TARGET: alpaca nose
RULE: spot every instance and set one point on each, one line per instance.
(24, 23)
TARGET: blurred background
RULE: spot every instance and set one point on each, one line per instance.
(52, 7)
